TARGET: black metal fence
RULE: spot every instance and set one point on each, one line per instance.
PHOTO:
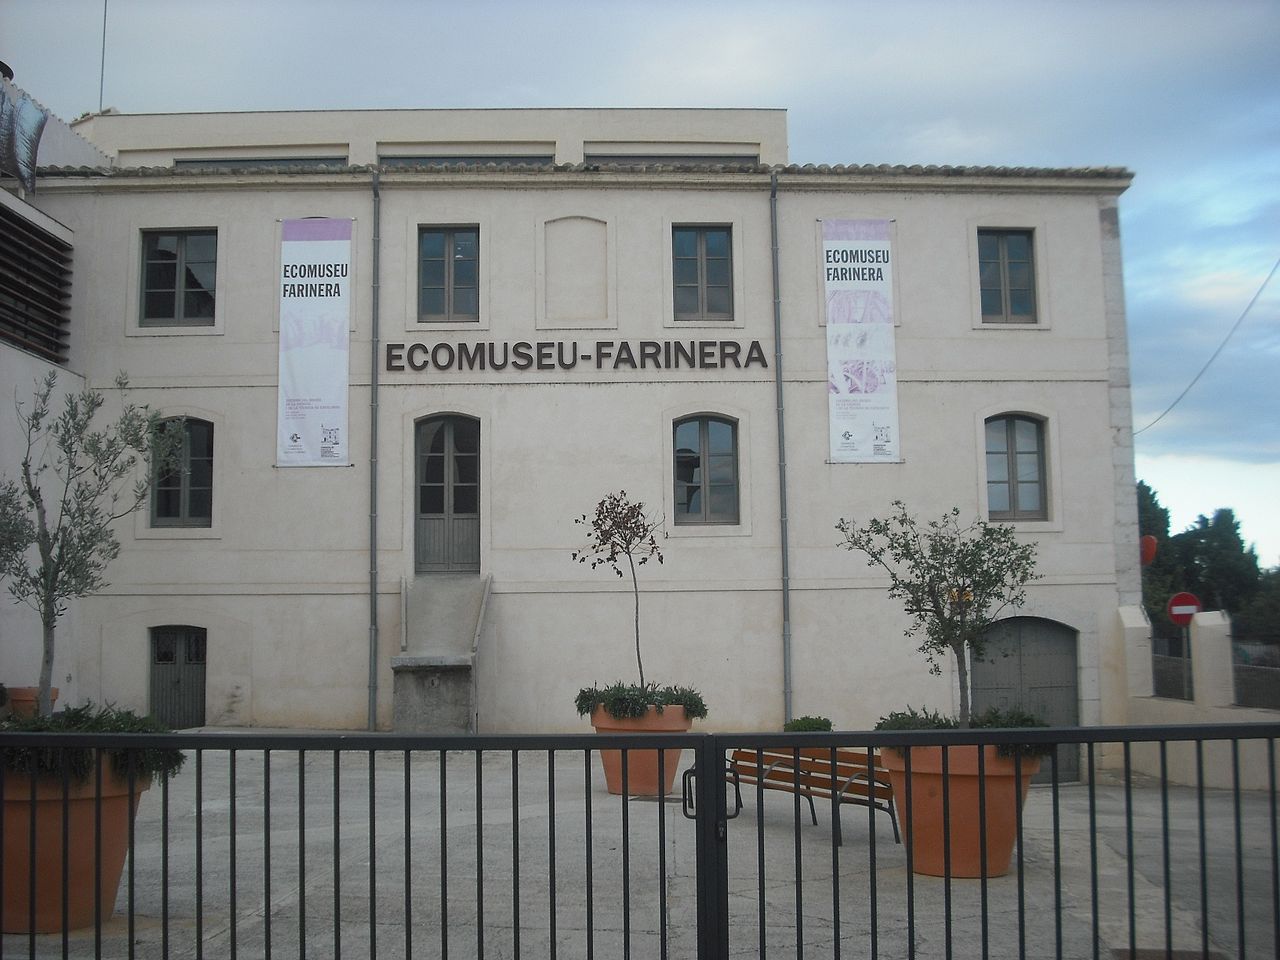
(384, 845)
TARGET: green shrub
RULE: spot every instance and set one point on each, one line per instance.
(630, 700)
(807, 725)
(912, 719)
(991, 718)
(79, 761)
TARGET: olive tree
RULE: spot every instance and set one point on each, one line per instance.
(76, 478)
(954, 581)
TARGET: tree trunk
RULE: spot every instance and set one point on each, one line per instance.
(962, 667)
(635, 589)
(44, 705)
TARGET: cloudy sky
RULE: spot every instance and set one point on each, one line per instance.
(1185, 94)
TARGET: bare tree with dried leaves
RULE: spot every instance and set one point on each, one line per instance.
(621, 528)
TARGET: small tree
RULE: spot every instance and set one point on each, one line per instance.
(74, 482)
(953, 581)
(621, 528)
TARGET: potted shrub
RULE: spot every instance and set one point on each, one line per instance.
(954, 581)
(621, 532)
(40, 785)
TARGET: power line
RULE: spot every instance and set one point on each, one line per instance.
(102, 71)
(1214, 356)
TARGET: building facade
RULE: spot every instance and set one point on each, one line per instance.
(540, 307)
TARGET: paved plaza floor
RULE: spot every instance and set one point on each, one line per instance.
(435, 855)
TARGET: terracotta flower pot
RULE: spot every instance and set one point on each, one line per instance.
(642, 765)
(1004, 796)
(118, 807)
(22, 700)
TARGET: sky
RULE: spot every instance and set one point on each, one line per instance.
(1184, 94)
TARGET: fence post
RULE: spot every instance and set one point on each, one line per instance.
(1212, 663)
(711, 827)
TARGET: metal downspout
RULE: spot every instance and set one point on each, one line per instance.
(782, 452)
(373, 461)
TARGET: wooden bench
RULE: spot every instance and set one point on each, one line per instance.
(808, 772)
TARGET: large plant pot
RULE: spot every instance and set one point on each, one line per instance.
(23, 700)
(642, 765)
(118, 808)
(1004, 794)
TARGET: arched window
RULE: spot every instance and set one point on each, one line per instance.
(706, 470)
(1017, 487)
(182, 496)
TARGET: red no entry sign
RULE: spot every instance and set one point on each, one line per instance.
(1182, 607)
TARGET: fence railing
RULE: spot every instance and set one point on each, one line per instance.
(381, 845)
(1256, 675)
(1172, 677)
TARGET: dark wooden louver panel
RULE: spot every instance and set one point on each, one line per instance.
(35, 288)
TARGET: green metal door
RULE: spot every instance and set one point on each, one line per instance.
(177, 675)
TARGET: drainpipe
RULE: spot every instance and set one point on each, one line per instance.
(373, 462)
(782, 452)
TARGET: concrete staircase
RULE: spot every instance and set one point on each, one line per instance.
(434, 678)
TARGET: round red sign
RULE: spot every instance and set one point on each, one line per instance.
(1182, 607)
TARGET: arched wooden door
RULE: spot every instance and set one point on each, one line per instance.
(1032, 663)
(447, 486)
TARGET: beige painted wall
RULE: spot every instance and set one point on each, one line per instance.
(364, 135)
(281, 578)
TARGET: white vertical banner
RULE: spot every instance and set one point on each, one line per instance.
(862, 366)
(315, 324)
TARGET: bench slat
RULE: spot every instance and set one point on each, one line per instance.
(810, 774)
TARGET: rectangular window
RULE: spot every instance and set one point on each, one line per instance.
(179, 272)
(1006, 276)
(702, 272)
(448, 274)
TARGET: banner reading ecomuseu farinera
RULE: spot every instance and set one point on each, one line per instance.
(315, 323)
(862, 368)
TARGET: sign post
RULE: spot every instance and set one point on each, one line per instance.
(1182, 608)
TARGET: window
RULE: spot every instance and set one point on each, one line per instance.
(259, 163)
(706, 470)
(673, 159)
(702, 272)
(470, 160)
(179, 268)
(1006, 276)
(1016, 488)
(183, 496)
(448, 274)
